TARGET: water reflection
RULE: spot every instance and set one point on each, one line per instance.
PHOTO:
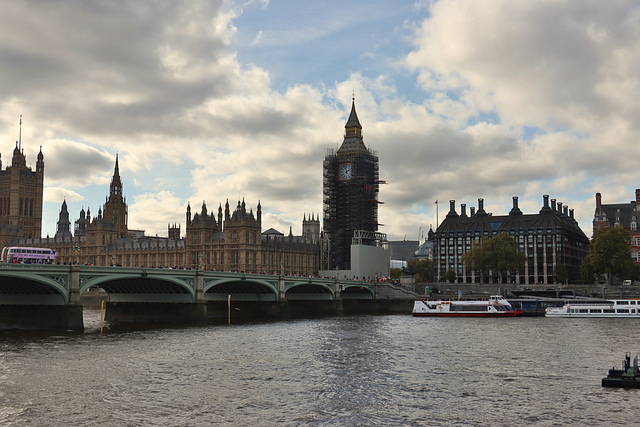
(361, 370)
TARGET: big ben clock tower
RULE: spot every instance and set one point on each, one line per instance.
(350, 193)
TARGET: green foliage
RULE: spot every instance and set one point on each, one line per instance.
(560, 274)
(609, 254)
(422, 269)
(476, 258)
(498, 253)
(395, 273)
(450, 276)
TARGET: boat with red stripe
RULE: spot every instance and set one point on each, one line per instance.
(495, 306)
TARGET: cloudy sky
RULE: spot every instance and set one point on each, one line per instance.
(216, 100)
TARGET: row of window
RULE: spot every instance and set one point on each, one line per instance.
(25, 206)
(512, 232)
(602, 311)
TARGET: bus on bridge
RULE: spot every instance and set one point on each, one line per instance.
(20, 255)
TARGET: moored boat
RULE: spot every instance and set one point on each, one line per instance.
(628, 376)
(611, 308)
(495, 306)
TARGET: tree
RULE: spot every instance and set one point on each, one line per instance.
(498, 253)
(450, 276)
(422, 269)
(560, 274)
(475, 259)
(609, 254)
(395, 273)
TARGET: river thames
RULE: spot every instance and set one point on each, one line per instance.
(342, 371)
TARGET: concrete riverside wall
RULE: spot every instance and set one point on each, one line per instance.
(218, 311)
(162, 313)
(42, 317)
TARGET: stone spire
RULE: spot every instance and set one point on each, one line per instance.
(116, 183)
(353, 127)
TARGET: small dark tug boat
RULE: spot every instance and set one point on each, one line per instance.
(629, 376)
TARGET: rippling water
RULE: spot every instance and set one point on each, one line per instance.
(361, 370)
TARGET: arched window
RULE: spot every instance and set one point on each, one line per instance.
(634, 226)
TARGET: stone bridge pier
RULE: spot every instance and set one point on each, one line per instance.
(160, 311)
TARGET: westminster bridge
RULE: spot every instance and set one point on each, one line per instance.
(48, 296)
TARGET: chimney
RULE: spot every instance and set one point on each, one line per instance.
(480, 211)
(452, 209)
(560, 207)
(571, 213)
(553, 204)
(545, 198)
(515, 210)
(565, 210)
(463, 209)
(599, 200)
(472, 210)
(637, 196)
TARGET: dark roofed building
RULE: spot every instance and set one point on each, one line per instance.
(620, 214)
(403, 250)
(549, 239)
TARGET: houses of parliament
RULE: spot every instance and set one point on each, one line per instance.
(232, 240)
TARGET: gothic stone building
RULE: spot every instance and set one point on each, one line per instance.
(621, 214)
(230, 242)
(549, 239)
(21, 198)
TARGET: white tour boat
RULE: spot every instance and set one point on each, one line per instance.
(495, 306)
(611, 308)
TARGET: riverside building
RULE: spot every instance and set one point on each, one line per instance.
(21, 197)
(551, 241)
(231, 241)
(620, 214)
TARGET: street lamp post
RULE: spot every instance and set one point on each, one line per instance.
(76, 249)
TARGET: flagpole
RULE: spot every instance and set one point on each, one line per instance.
(437, 223)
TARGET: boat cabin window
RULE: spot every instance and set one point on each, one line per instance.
(622, 302)
(608, 310)
(583, 310)
(622, 310)
(595, 310)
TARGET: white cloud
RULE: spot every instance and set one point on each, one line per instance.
(506, 98)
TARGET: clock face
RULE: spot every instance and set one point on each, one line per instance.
(346, 171)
